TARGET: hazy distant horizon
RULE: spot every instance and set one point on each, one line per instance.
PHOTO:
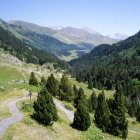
(103, 16)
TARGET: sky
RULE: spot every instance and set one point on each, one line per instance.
(104, 16)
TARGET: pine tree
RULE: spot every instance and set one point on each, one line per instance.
(66, 88)
(61, 95)
(138, 114)
(81, 118)
(90, 84)
(44, 108)
(75, 89)
(92, 103)
(33, 81)
(80, 97)
(43, 81)
(119, 124)
(102, 113)
(52, 85)
(128, 105)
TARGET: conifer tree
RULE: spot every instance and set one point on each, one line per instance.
(43, 81)
(52, 85)
(81, 118)
(102, 113)
(90, 84)
(128, 105)
(33, 81)
(118, 123)
(138, 114)
(44, 108)
(80, 97)
(75, 89)
(92, 103)
(66, 88)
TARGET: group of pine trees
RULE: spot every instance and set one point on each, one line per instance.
(109, 115)
(63, 89)
(81, 116)
(44, 108)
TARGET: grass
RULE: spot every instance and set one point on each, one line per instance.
(73, 55)
(4, 111)
(88, 92)
(68, 106)
(10, 95)
(29, 128)
(60, 129)
(8, 74)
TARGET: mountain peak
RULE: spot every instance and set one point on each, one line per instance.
(90, 30)
(118, 36)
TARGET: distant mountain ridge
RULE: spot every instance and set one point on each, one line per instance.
(60, 42)
(68, 35)
(118, 36)
(25, 52)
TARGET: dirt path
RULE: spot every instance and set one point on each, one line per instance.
(68, 113)
(134, 131)
(16, 115)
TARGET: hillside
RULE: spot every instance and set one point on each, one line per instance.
(60, 42)
(85, 35)
(107, 65)
(48, 39)
(14, 84)
(23, 51)
(102, 54)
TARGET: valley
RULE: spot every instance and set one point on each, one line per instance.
(69, 70)
(12, 88)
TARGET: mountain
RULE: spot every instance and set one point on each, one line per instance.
(89, 30)
(107, 64)
(118, 36)
(23, 51)
(66, 39)
(85, 35)
(48, 39)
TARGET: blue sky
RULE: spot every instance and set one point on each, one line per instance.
(104, 16)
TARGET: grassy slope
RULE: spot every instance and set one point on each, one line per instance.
(28, 127)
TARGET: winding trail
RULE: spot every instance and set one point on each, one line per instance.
(68, 113)
(16, 115)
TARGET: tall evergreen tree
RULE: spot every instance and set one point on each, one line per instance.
(92, 103)
(80, 97)
(75, 89)
(66, 88)
(90, 84)
(138, 114)
(128, 105)
(44, 108)
(52, 85)
(33, 81)
(81, 118)
(43, 81)
(118, 124)
(102, 113)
